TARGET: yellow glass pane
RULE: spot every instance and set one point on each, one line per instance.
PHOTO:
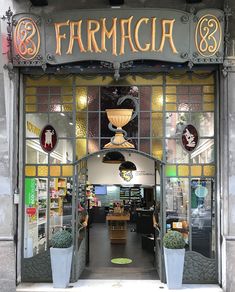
(170, 89)
(208, 89)
(157, 148)
(208, 97)
(48, 80)
(196, 170)
(208, 107)
(170, 107)
(67, 170)
(67, 90)
(30, 90)
(170, 98)
(81, 148)
(30, 108)
(67, 107)
(81, 98)
(157, 98)
(55, 170)
(81, 125)
(183, 170)
(67, 99)
(157, 125)
(42, 170)
(30, 99)
(209, 170)
(30, 170)
(189, 79)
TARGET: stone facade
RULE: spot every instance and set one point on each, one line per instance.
(9, 143)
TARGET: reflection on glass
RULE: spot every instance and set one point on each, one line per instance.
(81, 124)
(60, 204)
(204, 153)
(34, 152)
(177, 213)
(204, 123)
(203, 221)
(63, 123)
(175, 152)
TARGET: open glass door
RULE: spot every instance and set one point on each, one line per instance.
(79, 212)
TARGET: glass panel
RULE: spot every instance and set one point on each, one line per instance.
(67, 90)
(30, 108)
(42, 170)
(60, 204)
(170, 107)
(81, 98)
(195, 90)
(196, 170)
(175, 152)
(203, 219)
(209, 170)
(145, 145)
(171, 170)
(183, 170)
(80, 148)
(157, 125)
(145, 98)
(67, 99)
(188, 79)
(55, 90)
(183, 98)
(208, 98)
(67, 107)
(177, 198)
(196, 98)
(67, 170)
(170, 98)
(55, 170)
(208, 89)
(208, 107)
(63, 124)
(93, 98)
(157, 98)
(55, 108)
(42, 90)
(183, 107)
(30, 90)
(30, 99)
(55, 99)
(182, 90)
(34, 152)
(157, 150)
(93, 145)
(175, 123)
(204, 153)
(34, 123)
(30, 170)
(63, 152)
(35, 216)
(43, 108)
(93, 124)
(170, 89)
(42, 99)
(196, 107)
(144, 124)
(204, 123)
(81, 124)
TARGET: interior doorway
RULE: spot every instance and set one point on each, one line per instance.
(120, 241)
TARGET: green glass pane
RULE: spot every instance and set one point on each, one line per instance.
(171, 170)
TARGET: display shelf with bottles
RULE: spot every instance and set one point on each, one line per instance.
(130, 194)
(42, 186)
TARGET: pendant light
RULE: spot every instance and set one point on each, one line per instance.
(113, 157)
(127, 166)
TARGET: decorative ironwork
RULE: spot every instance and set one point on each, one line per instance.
(208, 35)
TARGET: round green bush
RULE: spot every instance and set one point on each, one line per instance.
(173, 240)
(61, 239)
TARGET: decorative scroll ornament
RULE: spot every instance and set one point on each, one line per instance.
(48, 138)
(189, 138)
(208, 35)
(27, 38)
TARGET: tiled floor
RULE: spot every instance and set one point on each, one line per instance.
(115, 285)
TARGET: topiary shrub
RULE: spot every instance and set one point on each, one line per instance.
(61, 239)
(173, 240)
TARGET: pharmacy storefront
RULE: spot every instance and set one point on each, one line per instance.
(159, 65)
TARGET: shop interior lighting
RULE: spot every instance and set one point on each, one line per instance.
(127, 166)
(113, 157)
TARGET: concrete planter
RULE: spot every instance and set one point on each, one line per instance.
(174, 264)
(61, 260)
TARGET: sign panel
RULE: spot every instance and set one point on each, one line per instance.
(190, 138)
(30, 191)
(118, 36)
(48, 138)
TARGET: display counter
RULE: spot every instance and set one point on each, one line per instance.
(118, 227)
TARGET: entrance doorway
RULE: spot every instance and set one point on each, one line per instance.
(119, 241)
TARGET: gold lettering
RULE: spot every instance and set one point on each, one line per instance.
(112, 33)
(32, 128)
(91, 40)
(147, 46)
(125, 36)
(77, 37)
(168, 35)
(59, 36)
(153, 34)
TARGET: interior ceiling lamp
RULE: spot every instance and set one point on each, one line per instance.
(127, 166)
(114, 157)
(39, 2)
(116, 2)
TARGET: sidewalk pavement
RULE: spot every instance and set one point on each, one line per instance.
(116, 286)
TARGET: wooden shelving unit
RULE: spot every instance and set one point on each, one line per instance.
(118, 227)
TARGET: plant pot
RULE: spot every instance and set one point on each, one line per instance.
(174, 264)
(61, 260)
